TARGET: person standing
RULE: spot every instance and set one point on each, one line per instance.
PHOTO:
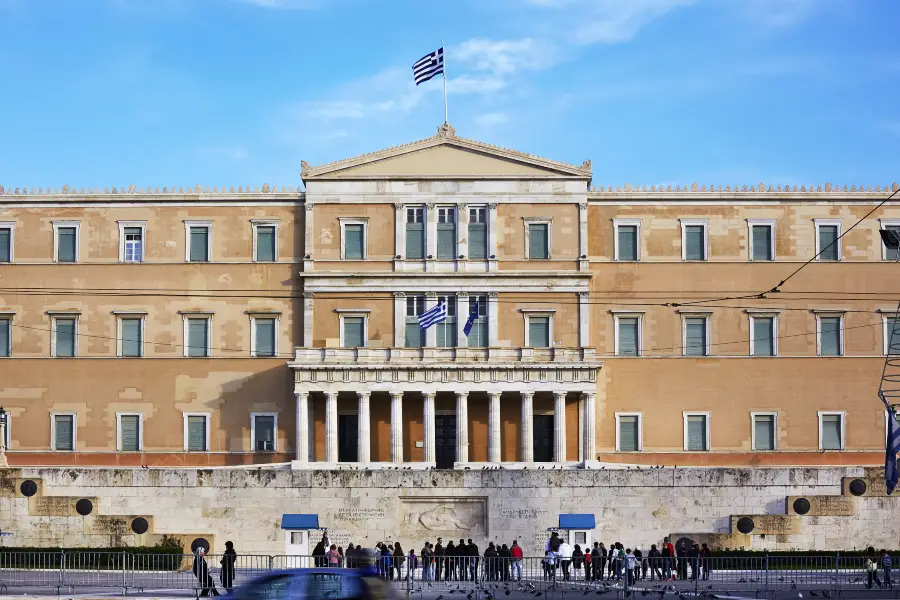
(427, 562)
(705, 561)
(577, 560)
(201, 572)
(598, 561)
(397, 560)
(450, 561)
(630, 567)
(565, 558)
(490, 562)
(438, 559)
(332, 557)
(505, 556)
(668, 555)
(871, 569)
(473, 560)
(226, 573)
(655, 558)
(638, 562)
(517, 556)
(887, 562)
(412, 564)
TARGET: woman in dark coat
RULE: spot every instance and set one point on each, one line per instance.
(227, 562)
(201, 572)
(399, 557)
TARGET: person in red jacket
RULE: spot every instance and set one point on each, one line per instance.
(516, 554)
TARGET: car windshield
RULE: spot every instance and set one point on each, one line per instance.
(296, 586)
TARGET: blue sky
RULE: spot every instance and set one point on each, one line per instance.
(237, 92)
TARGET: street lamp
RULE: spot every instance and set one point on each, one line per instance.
(4, 420)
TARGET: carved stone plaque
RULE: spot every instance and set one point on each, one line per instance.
(465, 516)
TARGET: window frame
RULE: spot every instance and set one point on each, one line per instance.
(8, 317)
(120, 342)
(640, 333)
(208, 419)
(627, 223)
(706, 333)
(255, 224)
(198, 315)
(265, 316)
(364, 221)
(57, 225)
(188, 225)
(640, 425)
(11, 225)
(128, 225)
(882, 224)
(470, 208)
(885, 334)
(685, 223)
(53, 415)
(414, 298)
(407, 223)
(765, 315)
(840, 231)
(357, 313)
(450, 299)
(831, 315)
(774, 415)
(140, 417)
(437, 229)
(770, 223)
(546, 221)
(253, 416)
(843, 421)
(697, 413)
(54, 317)
(486, 322)
(540, 313)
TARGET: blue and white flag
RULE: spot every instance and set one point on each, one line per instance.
(473, 314)
(433, 315)
(428, 66)
(892, 447)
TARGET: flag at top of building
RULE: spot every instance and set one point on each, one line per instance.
(433, 315)
(428, 66)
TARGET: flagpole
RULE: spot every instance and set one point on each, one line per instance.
(444, 54)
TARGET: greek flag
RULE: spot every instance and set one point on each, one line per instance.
(433, 316)
(473, 314)
(428, 66)
(892, 447)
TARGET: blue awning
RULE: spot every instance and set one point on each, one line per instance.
(300, 521)
(577, 521)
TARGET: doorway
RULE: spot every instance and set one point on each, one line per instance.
(348, 438)
(543, 438)
(444, 441)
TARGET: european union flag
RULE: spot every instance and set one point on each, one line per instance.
(473, 314)
(892, 447)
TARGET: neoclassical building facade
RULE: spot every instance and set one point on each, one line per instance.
(635, 324)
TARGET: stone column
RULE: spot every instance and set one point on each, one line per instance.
(494, 427)
(590, 427)
(302, 445)
(331, 426)
(397, 427)
(428, 413)
(462, 427)
(364, 443)
(559, 426)
(527, 426)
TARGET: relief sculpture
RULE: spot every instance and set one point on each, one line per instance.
(444, 514)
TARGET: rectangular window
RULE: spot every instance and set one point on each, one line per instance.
(891, 336)
(763, 336)
(628, 336)
(762, 243)
(693, 238)
(134, 244)
(828, 244)
(197, 342)
(696, 336)
(764, 431)
(6, 241)
(264, 430)
(478, 335)
(66, 244)
(64, 336)
(415, 232)
(626, 241)
(266, 240)
(628, 432)
(64, 433)
(478, 232)
(446, 330)
(129, 433)
(889, 253)
(446, 232)
(196, 433)
(198, 240)
(539, 241)
(264, 334)
(538, 331)
(830, 336)
(696, 433)
(354, 241)
(132, 338)
(353, 330)
(5, 336)
(831, 431)
(415, 335)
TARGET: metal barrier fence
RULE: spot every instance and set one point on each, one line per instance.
(482, 577)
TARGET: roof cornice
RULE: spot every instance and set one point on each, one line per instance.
(136, 194)
(761, 191)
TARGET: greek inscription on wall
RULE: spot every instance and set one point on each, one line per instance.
(512, 513)
(359, 514)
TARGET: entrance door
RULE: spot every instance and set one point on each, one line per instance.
(348, 438)
(543, 438)
(444, 441)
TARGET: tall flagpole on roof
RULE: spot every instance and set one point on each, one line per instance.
(444, 58)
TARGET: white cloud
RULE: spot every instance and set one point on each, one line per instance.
(491, 119)
(505, 57)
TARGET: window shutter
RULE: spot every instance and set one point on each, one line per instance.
(478, 335)
(415, 240)
(65, 337)
(830, 336)
(415, 336)
(354, 332)
(265, 243)
(130, 431)
(477, 240)
(890, 253)
(446, 240)
(265, 433)
(539, 332)
(627, 242)
(828, 245)
(893, 336)
(5, 238)
(199, 244)
(537, 234)
(198, 337)
(131, 337)
(831, 432)
(695, 337)
(696, 431)
(66, 244)
(197, 433)
(763, 334)
(265, 337)
(628, 434)
(764, 426)
(762, 242)
(64, 431)
(695, 246)
(353, 242)
(4, 337)
(628, 336)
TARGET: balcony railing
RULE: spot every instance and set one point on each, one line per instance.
(306, 356)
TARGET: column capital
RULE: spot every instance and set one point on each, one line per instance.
(526, 395)
(398, 206)
(460, 395)
(428, 395)
(363, 394)
(310, 205)
(308, 295)
(330, 395)
(558, 395)
(588, 394)
(396, 394)
(399, 294)
(493, 395)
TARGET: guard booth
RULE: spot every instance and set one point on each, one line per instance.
(301, 534)
(577, 528)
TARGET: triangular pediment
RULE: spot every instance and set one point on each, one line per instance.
(446, 156)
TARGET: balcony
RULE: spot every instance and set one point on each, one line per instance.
(442, 356)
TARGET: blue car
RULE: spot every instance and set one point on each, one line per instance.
(326, 584)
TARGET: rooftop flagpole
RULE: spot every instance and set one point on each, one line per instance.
(444, 56)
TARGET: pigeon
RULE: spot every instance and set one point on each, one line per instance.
(506, 593)
(813, 594)
(826, 593)
(799, 595)
(441, 597)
